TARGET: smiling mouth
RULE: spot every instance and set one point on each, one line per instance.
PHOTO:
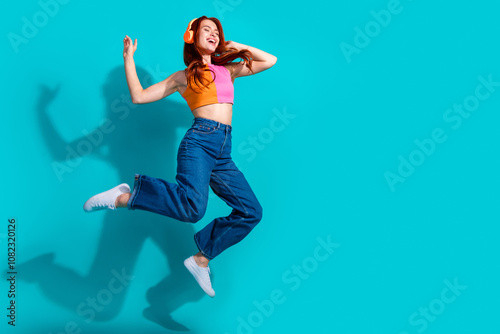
(211, 42)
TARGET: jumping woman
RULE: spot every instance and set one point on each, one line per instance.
(204, 154)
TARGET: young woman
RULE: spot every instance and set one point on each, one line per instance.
(204, 155)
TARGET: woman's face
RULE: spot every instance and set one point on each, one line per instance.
(208, 36)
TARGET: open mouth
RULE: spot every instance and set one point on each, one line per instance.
(211, 41)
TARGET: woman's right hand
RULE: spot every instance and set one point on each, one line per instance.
(129, 47)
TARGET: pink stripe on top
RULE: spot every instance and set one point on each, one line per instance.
(223, 84)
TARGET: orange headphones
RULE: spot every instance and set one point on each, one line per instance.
(189, 34)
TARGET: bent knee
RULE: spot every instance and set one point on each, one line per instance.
(256, 213)
(195, 211)
(194, 216)
(191, 215)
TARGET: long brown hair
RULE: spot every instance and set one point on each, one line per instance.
(221, 56)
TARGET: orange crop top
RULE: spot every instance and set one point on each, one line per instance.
(220, 90)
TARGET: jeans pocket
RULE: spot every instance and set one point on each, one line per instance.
(203, 128)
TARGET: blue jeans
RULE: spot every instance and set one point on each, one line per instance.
(203, 160)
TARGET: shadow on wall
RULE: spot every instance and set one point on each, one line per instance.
(134, 139)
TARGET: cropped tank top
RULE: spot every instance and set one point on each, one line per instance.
(221, 90)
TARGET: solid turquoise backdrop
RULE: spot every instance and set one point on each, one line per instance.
(372, 145)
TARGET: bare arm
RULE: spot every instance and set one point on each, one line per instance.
(261, 60)
(154, 92)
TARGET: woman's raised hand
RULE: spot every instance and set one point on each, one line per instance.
(129, 47)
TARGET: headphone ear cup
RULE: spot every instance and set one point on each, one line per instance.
(189, 34)
(188, 37)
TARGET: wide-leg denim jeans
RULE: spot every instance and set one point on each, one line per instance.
(203, 160)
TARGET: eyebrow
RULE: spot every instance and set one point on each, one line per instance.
(210, 27)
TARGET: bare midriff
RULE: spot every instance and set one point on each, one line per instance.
(220, 112)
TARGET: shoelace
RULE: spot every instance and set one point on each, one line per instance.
(99, 204)
(208, 275)
(102, 205)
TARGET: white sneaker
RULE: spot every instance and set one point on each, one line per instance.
(105, 200)
(201, 274)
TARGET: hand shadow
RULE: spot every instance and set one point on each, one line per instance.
(139, 139)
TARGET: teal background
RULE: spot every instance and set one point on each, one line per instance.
(322, 175)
